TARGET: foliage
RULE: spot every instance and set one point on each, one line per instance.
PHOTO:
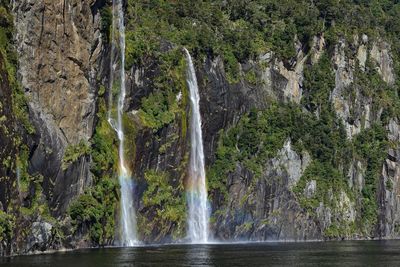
(96, 210)
(37, 205)
(371, 146)
(259, 135)
(162, 105)
(7, 225)
(330, 183)
(104, 150)
(319, 80)
(166, 203)
(251, 77)
(340, 230)
(240, 30)
(370, 84)
(22, 168)
(74, 152)
(20, 107)
(156, 110)
(106, 22)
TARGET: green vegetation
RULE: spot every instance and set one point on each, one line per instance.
(259, 135)
(156, 110)
(96, 210)
(314, 127)
(328, 179)
(7, 49)
(22, 168)
(37, 201)
(319, 80)
(104, 145)
(106, 22)
(251, 77)
(166, 204)
(75, 152)
(240, 30)
(371, 146)
(7, 224)
(161, 106)
(370, 84)
(339, 230)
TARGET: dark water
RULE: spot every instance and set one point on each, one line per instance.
(348, 253)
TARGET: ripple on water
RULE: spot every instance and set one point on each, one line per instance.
(345, 253)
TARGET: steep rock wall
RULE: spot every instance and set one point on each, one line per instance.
(267, 207)
(58, 47)
(9, 199)
(280, 195)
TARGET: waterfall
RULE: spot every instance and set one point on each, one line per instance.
(196, 189)
(128, 214)
(112, 64)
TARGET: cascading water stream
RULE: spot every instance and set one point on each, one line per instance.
(128, 214)
(196, 191)
(112, 63)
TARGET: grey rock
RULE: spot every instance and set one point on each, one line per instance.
(268, 210)
(40, 237)
(389, 187)
(356, 175)
(324, 215)
(310, 189)
(380, 53)
(59, 47)
(356, 112)
(317, 48)
(292, 163)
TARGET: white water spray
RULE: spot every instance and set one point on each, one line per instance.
(196, 192)
(128, 214)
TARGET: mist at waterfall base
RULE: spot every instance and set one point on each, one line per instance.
(344, 253)
(196, 191)
(128, 235)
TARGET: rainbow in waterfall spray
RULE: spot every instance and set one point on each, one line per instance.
(196, 192)
(128, 235)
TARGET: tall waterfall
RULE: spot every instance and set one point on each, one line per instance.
(196, 191)
(128, 214)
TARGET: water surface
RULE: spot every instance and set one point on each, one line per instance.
(346, 253)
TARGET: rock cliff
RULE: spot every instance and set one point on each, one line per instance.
(301, 135)
(58, 46)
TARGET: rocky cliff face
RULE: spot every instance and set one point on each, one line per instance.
(296, 149)
(58, 47)
(388, 196)
(267, 207)
(9, 194)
